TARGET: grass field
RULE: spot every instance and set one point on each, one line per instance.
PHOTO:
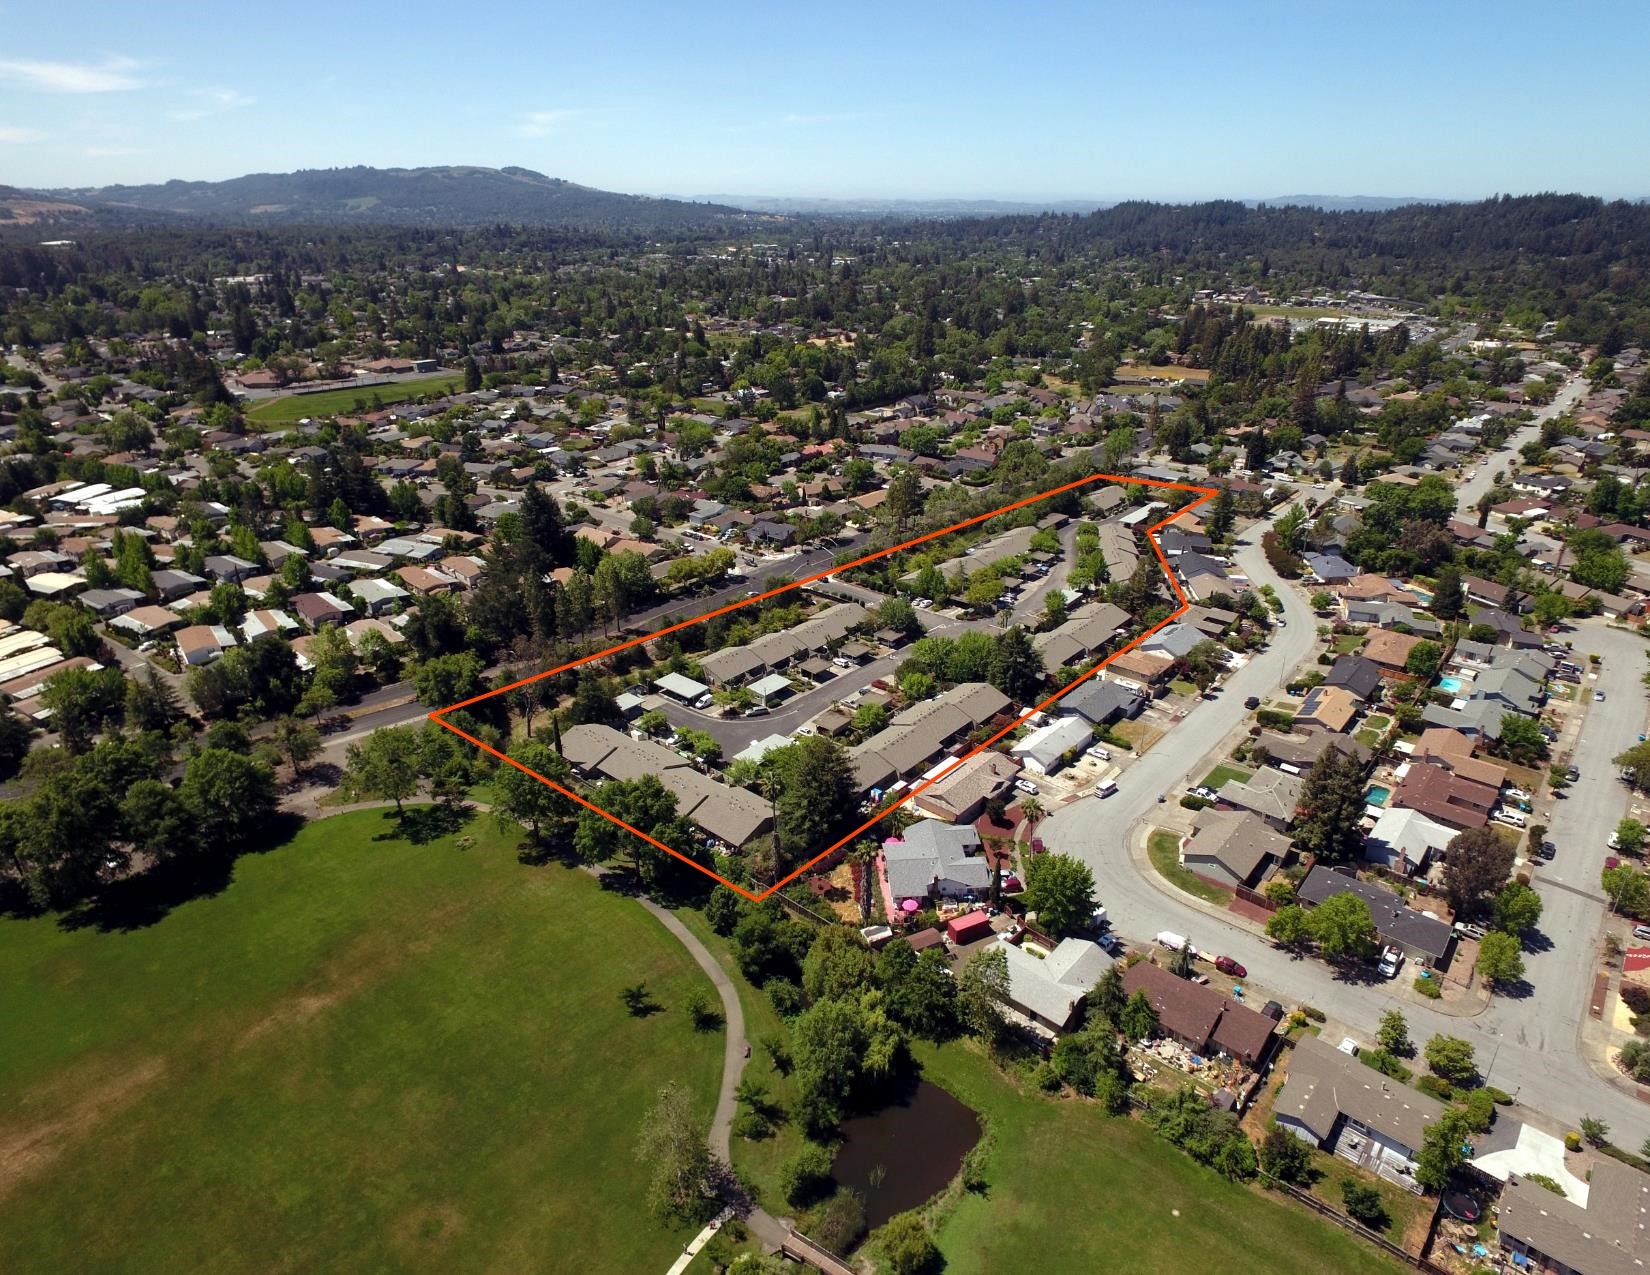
(1085, 1192)
(1164, 371)
(1163, 848)
(361, 1054)
(294, 407)
(1223, 774)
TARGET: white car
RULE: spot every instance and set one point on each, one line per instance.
(922, 604)
(1392, 960)
(1099, 753)
(1026, 786)
(703, 702)
(1598, 697)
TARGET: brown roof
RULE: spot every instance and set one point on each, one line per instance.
(1200, 1016)
(1388, 648)
(1448, 798)
(1142, 665)
(1454, 752)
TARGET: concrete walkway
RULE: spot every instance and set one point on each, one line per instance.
(696, 1243)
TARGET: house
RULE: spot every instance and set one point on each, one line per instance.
(202, 643)
(1454, 752)
(1388, 650)
(171, 584)
(1373, 588)
(1403, 840)
(1449, 798)
(1327, 708)
(1141, 668)
(1359, 676)
(680, 687)
(1305, 751)
(316, 609)
(1082, 636)
(257, 623)
(1233, 847)
(934, 859)
(1605, 1236)
(1333, 1101)
(378, 596)
(147, 621)
(1043, 751)
(1101, 703)
(773, 686)
(961, 795)
(732, 816)
(108, 603)
(916, 735)
(226, 566)
(1422, 938)
(1271, 794)
(1049, 990)
(1508, 630)
(1204, 1020)
(1510, 689)
(1488, 593)
(424, 581)
(1330, 568)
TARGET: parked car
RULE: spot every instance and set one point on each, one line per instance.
(1392, 960)
(1252, 703)
(1469, 929)
(1226, 965)
(1641, 931)
(1026, 786)
(1282, 623)
(842, 661)
(703, 702)
(1573, 773)
(1598, 697)
(922, 604)
(1099, 753)
(757, 710)
(1205, 792)
(1614, 843)
(1547, 850)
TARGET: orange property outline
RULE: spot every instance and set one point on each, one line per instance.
(439, 715)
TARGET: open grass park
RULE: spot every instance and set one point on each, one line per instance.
(295, 407)
(361, 1053)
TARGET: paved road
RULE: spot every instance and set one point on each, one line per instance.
(1526, 1045)
(1467, 493)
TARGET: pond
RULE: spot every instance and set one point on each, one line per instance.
(904, 1155)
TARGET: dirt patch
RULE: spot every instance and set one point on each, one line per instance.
(28, 1151)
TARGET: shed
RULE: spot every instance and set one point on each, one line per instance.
(968, 927)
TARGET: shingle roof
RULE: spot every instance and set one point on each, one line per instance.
(1325, 1084)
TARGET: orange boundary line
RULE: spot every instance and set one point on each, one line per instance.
(438, 716)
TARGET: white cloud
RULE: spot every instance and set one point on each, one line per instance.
(17, 136)
(213, 101)
(542, 123)
(111, 75)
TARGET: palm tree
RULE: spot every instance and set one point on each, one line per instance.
(1031, 810)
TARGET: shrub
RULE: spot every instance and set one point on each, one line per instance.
(1386, 1064)
(1363, 1204)
(1500, 1097)
(1314, 1013)
(1429, 988)
(842, 1222)
(1193, 803)
(1542, 1180)
(1045, 1078)
(806, 1176)
(1480, 1108)
(1572, 1141)
(785, 996)
(1437, 1087)
(1636, 997)
(1274, 719)
(751, 1125)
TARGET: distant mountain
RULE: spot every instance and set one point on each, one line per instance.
(804, 206)
(1348, 203)
(458, 195)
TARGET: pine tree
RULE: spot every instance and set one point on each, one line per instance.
(1333, 804)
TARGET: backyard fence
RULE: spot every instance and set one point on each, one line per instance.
(1359, 1229)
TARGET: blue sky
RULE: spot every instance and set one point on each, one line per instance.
(963, 99)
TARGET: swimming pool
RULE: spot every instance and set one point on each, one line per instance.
(1450, 684)
(1377, 795)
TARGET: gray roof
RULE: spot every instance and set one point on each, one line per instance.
(1237, 840)
(1049, 743)
(1101, 702)
(1270, 793)
(1607, 1237)
(917, 734)
(1393, 921)
(932, 851)
(1325, 1084)
(813, 634)
(1051, 987)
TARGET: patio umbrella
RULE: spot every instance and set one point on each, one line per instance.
(910, 905)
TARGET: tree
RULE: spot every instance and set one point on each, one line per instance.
(1627, 888)
(1291, 527)
(472, 375)
(591, 702)
(1139, 1017)
(815, 790)
(1630, 836)
(1061, 890)
(1476, 863)
(82, 701)
(906, 1246)
(1597, 1132)
(155, 819)
(1447, 592)
(1285, 1157)
(869, 718)
(805, 1178)
(1424, 659)
(837, 965)
(229, 796)
(1332, 804)
(1342, 926)
(1517, 908)
(1500, 958)
(526, 798)
(1636, 762)
(1520, 737)
(1452, 1058)
(904, 499)
(384, 766)
(297, 741)
(673, 1144)
(1393, 1035)
(448, 679)
(1016, 666)
(1441, 1152)
(1363, 1204)
(151, 703)
(982, 992)
(1287, 927)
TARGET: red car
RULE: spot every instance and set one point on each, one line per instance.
(1226, 965)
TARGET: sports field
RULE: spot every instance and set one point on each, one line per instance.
(294, 407)
(361, 1054)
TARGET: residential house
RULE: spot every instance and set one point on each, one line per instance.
(1270, 794)
(1303, 752)
(1422, 938)
(202, 643)
(1388, 650)
(917, 735)
(377, 597)
(1327, 708)
(1403, 840)
(1142, 669)
(1607, 1235)
(1201, 1018)
(1083, 636)
(1049, 990)
(1043, 751)
(961, 795)
(1450, 798)
(1101, 703)
(1233, 847)
(934, 860)
(1357, 675)
(316, 609)
(1333, 1101)
(1455, 753)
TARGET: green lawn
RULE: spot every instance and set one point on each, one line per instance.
(360, 1054)
(294, 407)
(1180, 686)
(1085, 1192)
(1348, 642)
(1163, 847)
(1226, 774)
